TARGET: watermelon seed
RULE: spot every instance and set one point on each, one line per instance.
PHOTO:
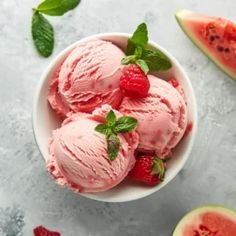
(220, 48)
(205, 231)
(227, 50)
(212, 38)
(196, 233)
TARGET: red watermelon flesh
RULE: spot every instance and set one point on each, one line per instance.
(208, 221)
(215, 36)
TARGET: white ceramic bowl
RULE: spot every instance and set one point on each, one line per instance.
(45, 120)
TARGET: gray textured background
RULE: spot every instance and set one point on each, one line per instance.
(27, 193)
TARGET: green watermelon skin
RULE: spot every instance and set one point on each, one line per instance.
(193, 24)
(211, 220)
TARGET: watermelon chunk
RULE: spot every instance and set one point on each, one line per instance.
(208, 221)
(215, 36)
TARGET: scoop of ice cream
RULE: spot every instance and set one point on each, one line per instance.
(78, 154)
(88, 78)
(162, 117)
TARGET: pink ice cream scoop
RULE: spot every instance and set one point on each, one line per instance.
(162, 117)
(88, 78)
(78, 154)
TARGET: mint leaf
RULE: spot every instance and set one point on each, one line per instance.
(143, 65)
(129, 60)
(138, 51)
(156, 60)
(111, 118)
(43, 35)
(103, 129)
(113, 146)
(139, 38)
(57, 7)
(125, 124)
(132, 58)
(111, 128)
(146, 59)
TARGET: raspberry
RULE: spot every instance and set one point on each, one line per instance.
(134, 82)
(42, 231)
(148, 169)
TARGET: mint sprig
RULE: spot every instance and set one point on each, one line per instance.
(113, 146)
(138, 39)
(111, 128)
(41, 29)
(43, 35)
(156, 60)
(104, 129)
(57, 7)
(138, 53)
(111, 119)
(143, 65)
(124, 124)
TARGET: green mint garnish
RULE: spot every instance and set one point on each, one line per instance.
(156, 60)
(57, 7)
(138, 53)
(125, 124)
(42, 33)
(104, 129)
(143, 65)
(111, 128)
(111, 118)
(129, 60)
(139, 38)
(42, 30)
(113, 146)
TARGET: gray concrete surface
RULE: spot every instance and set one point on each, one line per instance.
(29, 197)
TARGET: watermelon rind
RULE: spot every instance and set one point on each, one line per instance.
(180, 16)
(189, 217)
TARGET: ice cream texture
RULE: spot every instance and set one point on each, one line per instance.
(78, 154)
(88, 78)
(84, 88)
(162, 117)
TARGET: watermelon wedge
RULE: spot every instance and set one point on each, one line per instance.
(208, 221)
(215, 36)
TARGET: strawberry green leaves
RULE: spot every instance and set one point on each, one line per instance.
(57, 7)
(111, 128)
(41, 29)
(138, 53)
(158, 167)
(43, 35)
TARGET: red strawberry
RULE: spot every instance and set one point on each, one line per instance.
(149, 170)
(41, 231)
(134, 82)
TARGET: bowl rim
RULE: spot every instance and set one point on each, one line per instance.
(188, 147)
